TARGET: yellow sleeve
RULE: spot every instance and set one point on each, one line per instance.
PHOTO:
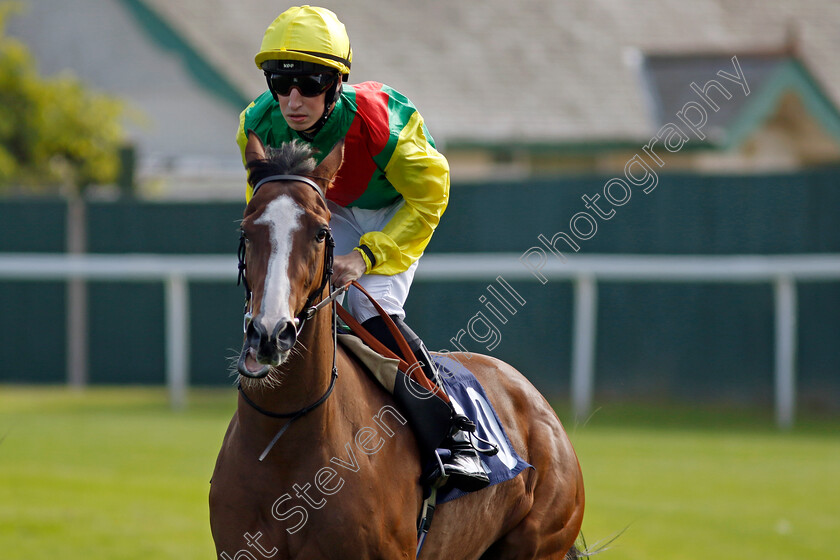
(421, 175)
(242, 141)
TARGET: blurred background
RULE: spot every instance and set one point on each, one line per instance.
(117, 124)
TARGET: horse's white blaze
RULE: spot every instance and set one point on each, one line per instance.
(282, 218)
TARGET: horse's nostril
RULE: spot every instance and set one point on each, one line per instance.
(285, 335)
(255, 333)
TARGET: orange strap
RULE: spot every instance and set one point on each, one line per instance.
(408, 363)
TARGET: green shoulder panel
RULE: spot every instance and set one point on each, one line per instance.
(400, 111)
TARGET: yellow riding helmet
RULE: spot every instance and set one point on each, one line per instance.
(307, 34)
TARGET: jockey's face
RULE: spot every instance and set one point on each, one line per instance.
(301, 113)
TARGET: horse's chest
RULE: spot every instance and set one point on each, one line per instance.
(337, 503)
(341, 526)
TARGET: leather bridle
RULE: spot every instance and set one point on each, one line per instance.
(310, 308)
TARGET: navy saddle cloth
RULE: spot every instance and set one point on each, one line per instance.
(468, 398)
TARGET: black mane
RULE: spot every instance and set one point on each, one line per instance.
(291, 158)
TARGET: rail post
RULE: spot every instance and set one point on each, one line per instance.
(177, 340)
(583, 345)
(786, 319)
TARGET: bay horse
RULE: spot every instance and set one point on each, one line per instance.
(343, 480)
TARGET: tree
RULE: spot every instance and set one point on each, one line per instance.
(54, 132)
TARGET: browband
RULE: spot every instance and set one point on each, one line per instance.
(300, 178)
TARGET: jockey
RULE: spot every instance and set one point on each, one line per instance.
(385, 202)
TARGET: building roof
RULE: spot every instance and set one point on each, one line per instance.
(534, 71)
(733, 110)
(581, 77)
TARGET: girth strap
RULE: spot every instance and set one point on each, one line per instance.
(427, 513)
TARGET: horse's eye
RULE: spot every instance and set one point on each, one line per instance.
(322, 234)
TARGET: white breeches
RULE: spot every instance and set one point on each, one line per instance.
(348, 225)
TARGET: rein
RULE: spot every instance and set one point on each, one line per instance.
(309, 311)
(292, 416)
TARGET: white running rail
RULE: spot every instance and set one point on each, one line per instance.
(584, 271)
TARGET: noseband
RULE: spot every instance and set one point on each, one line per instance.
(309, 310)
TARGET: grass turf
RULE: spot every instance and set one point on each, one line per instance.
(706, 484)
(114, 474)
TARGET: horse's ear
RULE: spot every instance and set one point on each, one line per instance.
(254, 149)
(329, 165)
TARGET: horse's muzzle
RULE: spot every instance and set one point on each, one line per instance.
(261, 352)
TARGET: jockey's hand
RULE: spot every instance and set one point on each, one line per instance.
(347, 268)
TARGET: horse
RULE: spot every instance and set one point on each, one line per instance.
(343, 480)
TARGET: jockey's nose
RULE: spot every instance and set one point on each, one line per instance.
(295, 98)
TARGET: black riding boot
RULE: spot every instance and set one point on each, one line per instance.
(435, 422)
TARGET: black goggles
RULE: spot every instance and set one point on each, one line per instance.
(309, 85)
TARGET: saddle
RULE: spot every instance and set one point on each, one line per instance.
(459, 388)
(407, 363)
